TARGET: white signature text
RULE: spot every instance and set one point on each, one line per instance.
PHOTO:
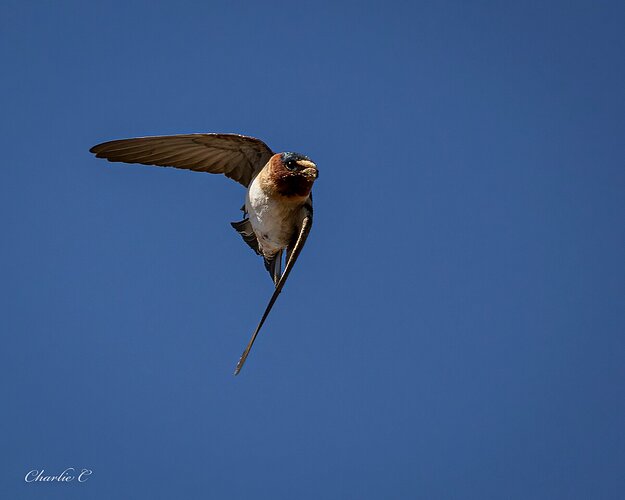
(67, 476)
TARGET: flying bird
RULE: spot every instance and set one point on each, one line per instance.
(277, 214)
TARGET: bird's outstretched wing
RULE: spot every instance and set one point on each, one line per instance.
(236, 156)
(293, 252)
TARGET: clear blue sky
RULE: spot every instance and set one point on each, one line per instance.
(454, 328)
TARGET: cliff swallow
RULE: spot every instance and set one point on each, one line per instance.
(278, 206)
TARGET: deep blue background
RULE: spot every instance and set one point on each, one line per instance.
(454, 327)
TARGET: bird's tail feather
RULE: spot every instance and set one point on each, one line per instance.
(274, 267)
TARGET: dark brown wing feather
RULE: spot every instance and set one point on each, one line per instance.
(293, 253)
(236, 156)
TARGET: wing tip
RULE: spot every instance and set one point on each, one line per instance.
(237, 370)
(99, 150)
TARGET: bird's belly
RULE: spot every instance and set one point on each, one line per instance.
(273, 221)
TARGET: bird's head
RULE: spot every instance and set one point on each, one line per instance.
(292, 174)
(298, 164)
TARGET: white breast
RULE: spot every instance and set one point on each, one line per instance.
(273, 220)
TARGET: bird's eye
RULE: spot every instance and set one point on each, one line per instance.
(290, 165)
